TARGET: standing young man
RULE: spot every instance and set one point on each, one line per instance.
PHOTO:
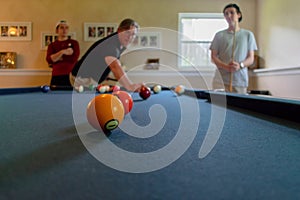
(62, 55)
(232, 50)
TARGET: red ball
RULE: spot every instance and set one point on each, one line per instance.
(126, 100)
(115, 88)
(145, 93)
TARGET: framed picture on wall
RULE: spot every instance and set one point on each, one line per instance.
(146, 40)
(96, 31)
(49, 37)
(15, 31)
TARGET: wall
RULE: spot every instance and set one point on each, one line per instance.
(279, 32)
(45, 13)
(281, 82)
(279, 37)
(24, 77)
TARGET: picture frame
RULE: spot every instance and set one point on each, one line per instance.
(146, 40)
(97, 31)
(49, 37)
(15, 31)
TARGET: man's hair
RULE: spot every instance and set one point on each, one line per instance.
(237, 8)
(127, 23)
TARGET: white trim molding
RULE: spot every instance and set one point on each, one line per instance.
(25, 72)
(282, 71)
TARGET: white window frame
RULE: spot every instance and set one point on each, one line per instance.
(208, 65)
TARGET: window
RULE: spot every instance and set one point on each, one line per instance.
(196, 33)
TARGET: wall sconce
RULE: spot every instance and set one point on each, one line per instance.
(8, 60)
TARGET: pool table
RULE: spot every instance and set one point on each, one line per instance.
(200, 145)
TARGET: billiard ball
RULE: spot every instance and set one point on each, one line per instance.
(45, 88)
(107, 88)
(115, 88)
(101, 88)
(126, 100)
(79, 88)
(98, 87)
(157, 89)
(105, 112)
(92, 87)
(179, 89)
(145, 92)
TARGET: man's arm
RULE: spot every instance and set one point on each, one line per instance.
(58, 56)
(249, 60)
(116, 68)
(218, 62)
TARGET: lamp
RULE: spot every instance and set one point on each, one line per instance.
(12, 31)
(8, 60)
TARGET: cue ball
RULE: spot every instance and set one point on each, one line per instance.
(105, 112)
(45, 88)
(145, 93)
(157, 89)
(179, 89)
(107, 88)
(79, 89)
(101, 88)
(126, 100)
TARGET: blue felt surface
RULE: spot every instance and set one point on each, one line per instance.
(42, 157)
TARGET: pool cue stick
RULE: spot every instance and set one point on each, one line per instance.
(232, 57)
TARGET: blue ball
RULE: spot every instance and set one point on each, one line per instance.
(45, 88)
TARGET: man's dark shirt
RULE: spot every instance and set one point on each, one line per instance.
(92, 64)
